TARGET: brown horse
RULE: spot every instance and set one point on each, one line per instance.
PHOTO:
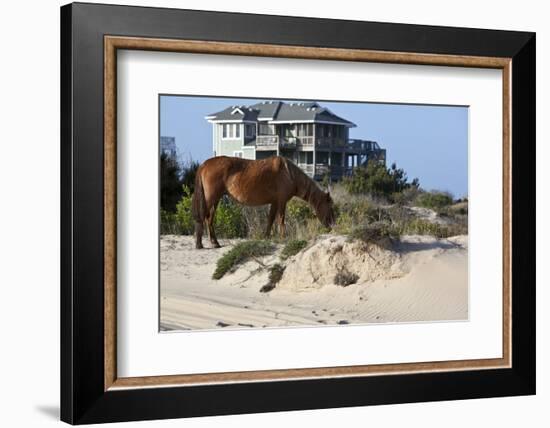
(273, 181)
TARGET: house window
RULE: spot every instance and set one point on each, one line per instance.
(305, 158)
(321, 130)
(249, 131)
(322, 157)
(305, 129)
(231, 130)
(238, 154)
(266, 129)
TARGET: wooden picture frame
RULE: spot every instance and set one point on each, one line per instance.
(91, 390)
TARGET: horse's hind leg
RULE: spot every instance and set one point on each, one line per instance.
(210, 225)
(282, 228)
(199, 229)
(270, 219)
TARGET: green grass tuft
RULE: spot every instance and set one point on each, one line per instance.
(378, 233)
(292, 248)
(275, 275)
(239, 254)
(423, 227)
(434, 200)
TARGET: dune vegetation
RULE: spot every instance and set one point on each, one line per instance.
(376, 206)
(374, 203)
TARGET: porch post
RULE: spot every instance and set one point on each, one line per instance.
(314, 148)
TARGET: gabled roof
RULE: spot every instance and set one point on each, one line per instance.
(280, 112)
(235, 113)
(267, 109)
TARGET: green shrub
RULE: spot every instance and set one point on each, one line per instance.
(301, 222)
(241, 253)
(460, 208)
(299, 210)
(184, 216)
(229, 221)
(344, 278)
(275, 274)
(170, 182)
(406, 197)
(169, 223)
(377, 180)
(434, 200)
(292, 248)
(188, 173)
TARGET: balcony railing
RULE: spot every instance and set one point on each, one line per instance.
(297, 141)
(307, 168)
(270, 142)
(274, 142)
(305, 141)
(330, 142)
(334, 170)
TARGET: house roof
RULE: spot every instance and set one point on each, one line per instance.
(235, 113)
(280, 112)
(267, 109)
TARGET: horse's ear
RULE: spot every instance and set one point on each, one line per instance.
(328, 195)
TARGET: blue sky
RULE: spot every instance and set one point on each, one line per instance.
(428, 142)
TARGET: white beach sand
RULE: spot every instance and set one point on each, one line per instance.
(425, 279)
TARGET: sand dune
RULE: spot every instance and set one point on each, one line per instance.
(422, 279)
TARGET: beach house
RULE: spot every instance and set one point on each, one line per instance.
(312, 136)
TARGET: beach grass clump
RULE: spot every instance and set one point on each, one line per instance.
(292, 248)
(423, 227)
(241, 253)
(344, 278)
(380, 233)
(275, 274)
(255, 219)
(355, 210)
(169, 224)
(434, 200)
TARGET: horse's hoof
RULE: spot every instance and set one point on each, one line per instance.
(216, 245)
(198, 247)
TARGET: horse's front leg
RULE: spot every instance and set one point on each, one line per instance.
(270, 219)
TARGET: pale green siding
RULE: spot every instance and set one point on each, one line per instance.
(249, 153)
(228, 146)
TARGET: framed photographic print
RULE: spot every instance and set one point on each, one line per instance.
(265, 213)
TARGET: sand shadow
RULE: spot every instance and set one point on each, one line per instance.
(408, 247)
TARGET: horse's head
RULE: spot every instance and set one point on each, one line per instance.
(325, 210)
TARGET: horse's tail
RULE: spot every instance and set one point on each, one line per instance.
(198, 203)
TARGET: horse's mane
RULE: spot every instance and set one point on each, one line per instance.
(306, 187)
